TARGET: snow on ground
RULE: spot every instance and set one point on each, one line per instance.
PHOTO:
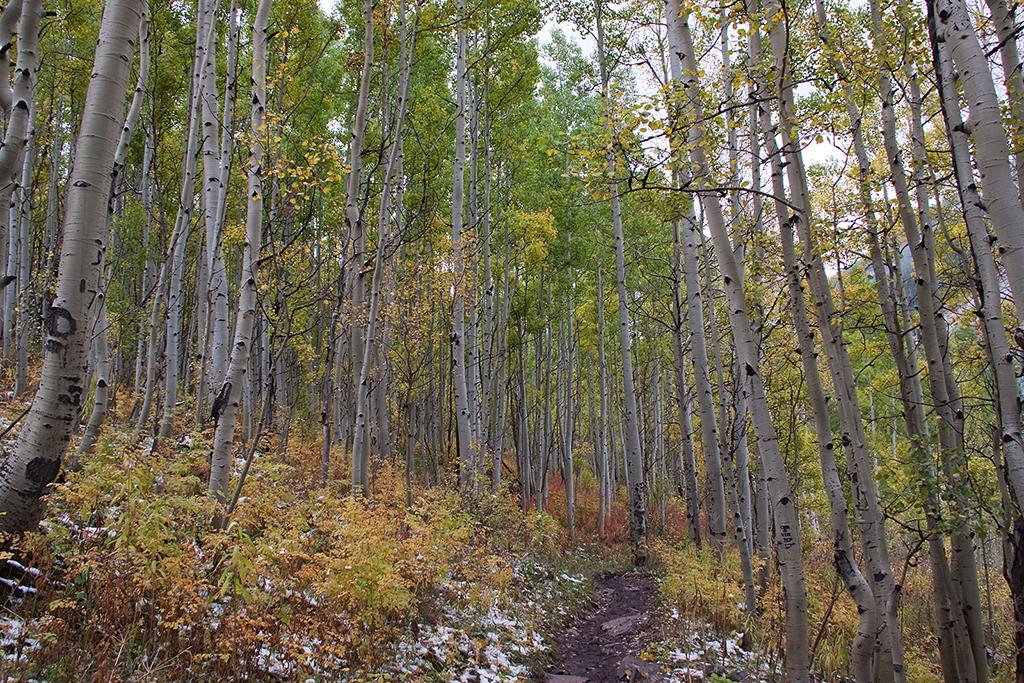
(473, 647)
(700, 647)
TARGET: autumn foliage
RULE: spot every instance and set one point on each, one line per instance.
(125, 579)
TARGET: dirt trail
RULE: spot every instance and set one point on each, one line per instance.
(603, 645)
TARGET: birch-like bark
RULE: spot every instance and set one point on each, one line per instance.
(686, 267)
(214, 346)
(714, 478)
(519, 428)
(631, 427)
(546, 435)
(217, 170)
(24, 225)
(787, 523)
(12, 156)
(709, 436)
(985, 126)
(890, 660)
(146, 197)
(53, 209)
(477, 429)
(467, 464)
(357, 236)
(920, 238)
(740, 474)
(990, 310)
(946, 393)
(491, 360)
(101, 395)
(227, 124)
(384, 243)
(179, 239)
(225, 408)
(843, 558)
(499, 392)
(602, 430)
(688, 461)
(8, 28)
(152, 347)
(569, 426)
(27, 473)
(1002, 15)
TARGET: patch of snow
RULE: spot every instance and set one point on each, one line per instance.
(19, 566)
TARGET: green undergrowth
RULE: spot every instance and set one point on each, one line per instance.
(126, 581)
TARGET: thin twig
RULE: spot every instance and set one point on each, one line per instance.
(11, 426)
(245, 470)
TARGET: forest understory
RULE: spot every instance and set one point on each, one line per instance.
(126, 581)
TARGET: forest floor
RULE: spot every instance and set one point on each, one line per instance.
(605, 643)
(621, 634)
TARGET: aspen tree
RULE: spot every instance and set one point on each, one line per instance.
(225, 409)
(386, 241)
(568, 354)
(99, 411)
(603, 436)
(787, 523)
(709, 435)
(467, 461)
(35, 461)
(985, 126)
(942, 386)
(8, 27)
(688, 464)
(12, 157)
(23, 210)
(873, 538)
(844, 560)
(179, 237)
(1005, 22)
(631, 428)
(357, 236)
(714, 476)
(1007, 395)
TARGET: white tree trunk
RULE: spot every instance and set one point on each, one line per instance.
(688, 462)
(467, 464)
(24, 224)
(101, 396)
(985, 125)
(787, 523)
(35, 461)
(357, 235)
(225, 408)
(8, 26)
(216, 171)
(1002, 15)
(635, 480)
(179, 237)
(843, 558)
(12, 156)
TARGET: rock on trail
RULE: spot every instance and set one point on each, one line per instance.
(603, 645)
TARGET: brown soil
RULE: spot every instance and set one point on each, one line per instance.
(604, 644)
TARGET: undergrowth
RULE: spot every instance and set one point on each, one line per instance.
(705, 618)
(126, 581)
